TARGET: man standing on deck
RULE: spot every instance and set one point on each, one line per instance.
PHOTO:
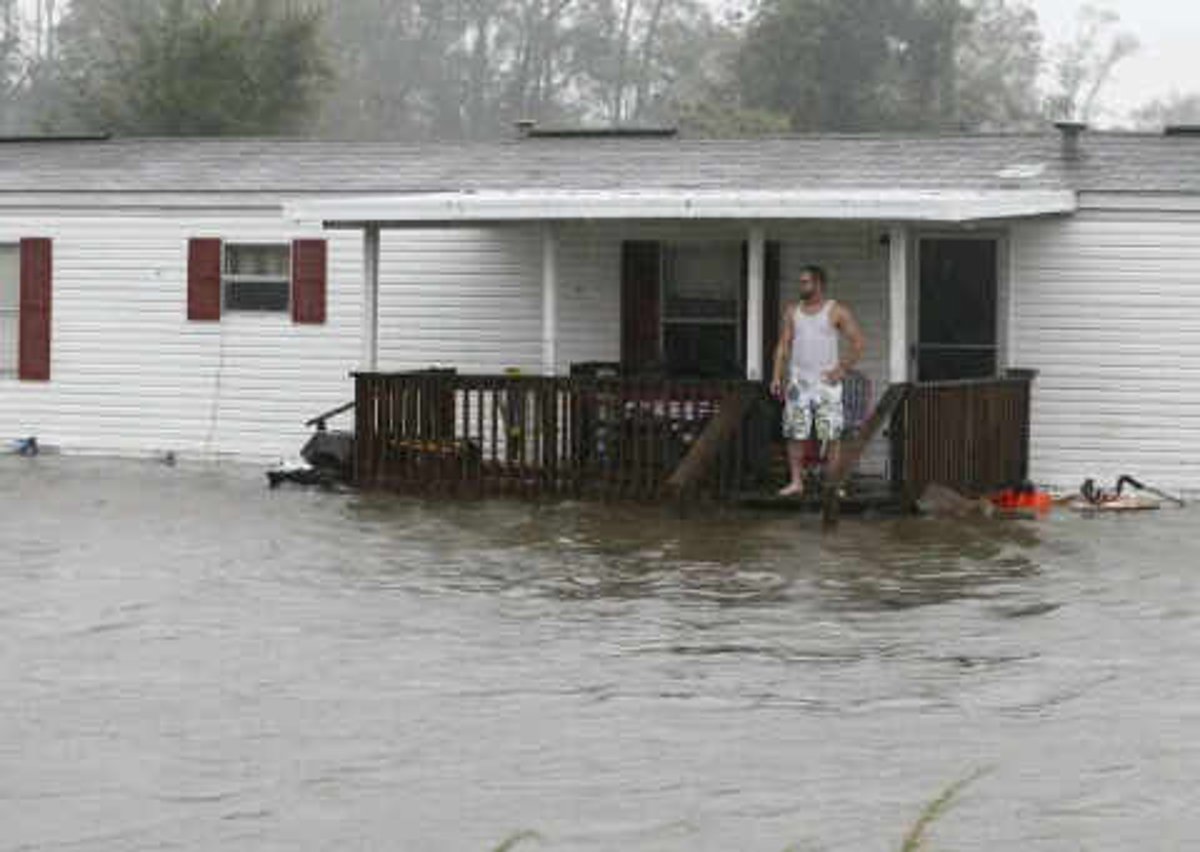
(809, 369)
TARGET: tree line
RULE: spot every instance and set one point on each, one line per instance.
(468, 69)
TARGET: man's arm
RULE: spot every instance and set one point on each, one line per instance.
(844, 321)
(782, 349)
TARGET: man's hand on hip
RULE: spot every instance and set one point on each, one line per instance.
(835, 375)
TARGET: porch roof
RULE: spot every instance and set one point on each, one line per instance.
(915, 205)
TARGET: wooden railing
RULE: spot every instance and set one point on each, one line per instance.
(564, 436)
(971, 435)
(651, 439)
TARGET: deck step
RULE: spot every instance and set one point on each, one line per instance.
(865, 495)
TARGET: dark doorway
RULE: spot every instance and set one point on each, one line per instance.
(957, 339)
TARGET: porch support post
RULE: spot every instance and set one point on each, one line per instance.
(755, 266)
(370, 309)
(898, 240)
(549, 299)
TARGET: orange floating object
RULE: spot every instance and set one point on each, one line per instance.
(1022, 498)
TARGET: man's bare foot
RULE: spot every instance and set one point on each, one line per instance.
(792, 489)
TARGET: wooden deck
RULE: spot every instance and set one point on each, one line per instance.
(555, 436)
(653, 439)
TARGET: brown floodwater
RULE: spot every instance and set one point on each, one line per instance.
(189, 660)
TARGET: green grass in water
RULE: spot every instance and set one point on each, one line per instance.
(914, 841)
(510, 843)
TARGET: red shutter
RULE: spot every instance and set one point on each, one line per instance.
(641, 274)
(204, 279)
(36, 275)
(308, 281)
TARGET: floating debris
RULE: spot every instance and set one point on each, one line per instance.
(27, 447)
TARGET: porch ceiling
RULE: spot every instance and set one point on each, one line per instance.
(894, 205)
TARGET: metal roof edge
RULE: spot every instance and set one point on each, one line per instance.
(848, 204)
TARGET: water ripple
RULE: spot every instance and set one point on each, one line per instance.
(188, 659)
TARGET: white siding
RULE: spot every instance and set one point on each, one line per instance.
(471, 298)
(1107, 308)
(461, 297)
(130, 374)
(590, 296)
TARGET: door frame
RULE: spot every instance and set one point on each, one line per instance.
(1002, 237)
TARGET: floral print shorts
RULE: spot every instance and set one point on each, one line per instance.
(812, 405)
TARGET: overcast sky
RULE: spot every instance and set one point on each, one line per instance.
(1168, 59)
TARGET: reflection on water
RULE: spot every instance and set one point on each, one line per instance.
(581, 550)
(189, 660)
(909, 562)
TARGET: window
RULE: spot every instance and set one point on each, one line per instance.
(701, 318)
(263, 277)
(10, 308)
(256, 277)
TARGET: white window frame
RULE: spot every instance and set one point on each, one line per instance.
(8, 370)
(228, 278)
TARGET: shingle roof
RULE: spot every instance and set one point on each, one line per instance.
(1109, 162)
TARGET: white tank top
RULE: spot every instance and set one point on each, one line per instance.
(814, 343)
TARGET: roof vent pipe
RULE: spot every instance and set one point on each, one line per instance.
(1071, 131)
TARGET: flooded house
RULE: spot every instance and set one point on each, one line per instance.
(591, 302)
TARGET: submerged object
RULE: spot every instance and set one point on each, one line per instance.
(300, 475)
(942, 501)
(328, 456)
(1092, 498)
(326, 460)
(1126, 479)
(1023, 499)
(1124, 503)
(27, 447)
(330, 452)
